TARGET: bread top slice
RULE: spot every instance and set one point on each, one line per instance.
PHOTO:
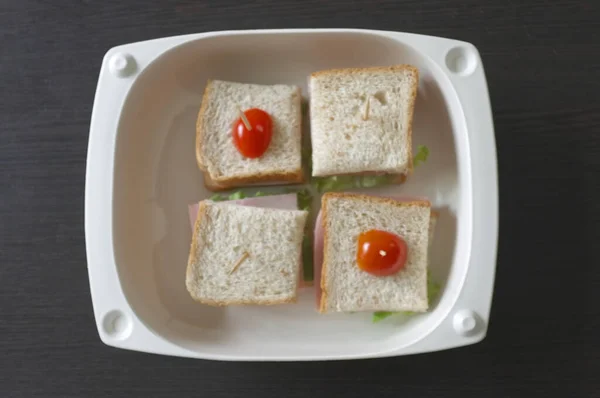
(342, 141)
(223, 166)
(245, 255)
(344, 286)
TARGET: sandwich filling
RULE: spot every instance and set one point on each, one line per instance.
(433, 288)
(366, 179)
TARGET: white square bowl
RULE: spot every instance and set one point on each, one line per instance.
(142, 174)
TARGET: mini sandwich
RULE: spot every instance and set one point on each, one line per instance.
(249, 134)
(361, 124)
(300, 200)
(242, 254)
(371, 254)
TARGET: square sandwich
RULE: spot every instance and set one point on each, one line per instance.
(218, 158)
(361, 121)
(245, 255)
(347, 287)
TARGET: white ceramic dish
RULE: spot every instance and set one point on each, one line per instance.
(142, 174)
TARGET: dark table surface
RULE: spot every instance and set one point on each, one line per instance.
(542, 61)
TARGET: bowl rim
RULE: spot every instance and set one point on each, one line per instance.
(472, 95)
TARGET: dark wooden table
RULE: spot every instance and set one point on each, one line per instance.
(542, 61)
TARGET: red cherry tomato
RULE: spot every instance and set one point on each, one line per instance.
(381, 253)
(253, 143)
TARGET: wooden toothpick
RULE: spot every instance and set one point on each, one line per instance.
(245, 119)
(239, 262)
(367, 108)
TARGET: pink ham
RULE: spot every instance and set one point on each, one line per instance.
(282, 202)
(193, 214)
(318, 256)
(318, 246)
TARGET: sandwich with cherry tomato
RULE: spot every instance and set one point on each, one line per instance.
(249, 134)
(371, 254)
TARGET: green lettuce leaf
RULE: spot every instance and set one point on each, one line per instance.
(421, 156)
(433, 290)
(307, 258)
(237, 195)
(304, 203)
(341, 183)
(217, 198)
(304, 107)
(381, 315)
(304, 199)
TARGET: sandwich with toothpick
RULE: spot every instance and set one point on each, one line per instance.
(371, 254)
(249, 134)
(361, 126)
(247, 251)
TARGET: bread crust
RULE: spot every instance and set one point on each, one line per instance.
(324, 209)
(348, 71)
(199, 123)
(193, 256)
(225, 183)
(413, 100)
(217, 303)
(194, 247)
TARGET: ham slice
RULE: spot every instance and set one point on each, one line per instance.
(282, 202)
(318, 245)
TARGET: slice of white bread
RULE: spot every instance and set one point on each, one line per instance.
(223, 166)
(344, 286)
(342, 141)
(268, 242)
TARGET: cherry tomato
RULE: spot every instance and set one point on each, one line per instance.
(381, 253)
(253, 143)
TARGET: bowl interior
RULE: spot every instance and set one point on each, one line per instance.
(156, 177)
